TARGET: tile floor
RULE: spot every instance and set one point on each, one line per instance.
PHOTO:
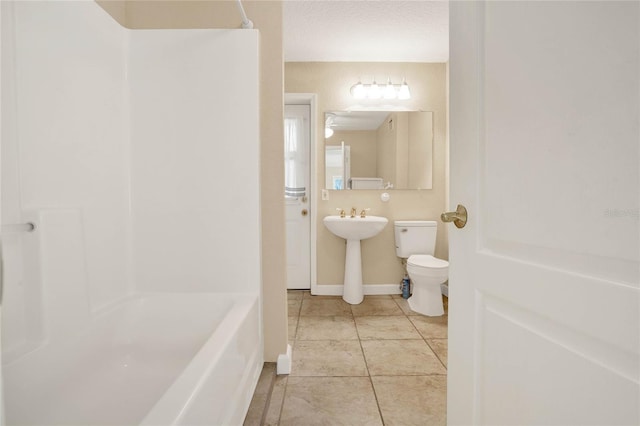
(376, 363)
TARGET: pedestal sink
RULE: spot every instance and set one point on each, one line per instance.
(354, 229)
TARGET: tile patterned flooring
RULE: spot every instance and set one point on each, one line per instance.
(376, 363)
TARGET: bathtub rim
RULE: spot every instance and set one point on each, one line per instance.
(29, 348)
(174, 399)
(174, 403)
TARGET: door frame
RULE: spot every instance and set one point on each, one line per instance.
(310, 99)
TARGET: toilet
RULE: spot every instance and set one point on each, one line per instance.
(416, 242)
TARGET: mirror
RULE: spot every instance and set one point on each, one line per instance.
(378, 149)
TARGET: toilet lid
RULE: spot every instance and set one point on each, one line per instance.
(427, 261)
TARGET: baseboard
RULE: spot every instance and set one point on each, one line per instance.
(284, 362)
(369, 289)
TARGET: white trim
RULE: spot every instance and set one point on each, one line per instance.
(369, 289)
(310, 99)
(283, 366)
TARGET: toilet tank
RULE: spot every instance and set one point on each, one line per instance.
(415, 237)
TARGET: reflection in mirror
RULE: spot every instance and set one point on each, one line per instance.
(337, 166)
(378, 150)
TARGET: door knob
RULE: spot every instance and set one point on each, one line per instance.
(304, 212)
(459, 217)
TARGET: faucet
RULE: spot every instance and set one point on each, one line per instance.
(363, 213)
(353, 212)
(342, 214)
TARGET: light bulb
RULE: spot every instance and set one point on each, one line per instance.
(374, 91)
(404, 93)
(389, 91)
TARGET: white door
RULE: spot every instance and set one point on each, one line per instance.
(297, 195)
(544, 153)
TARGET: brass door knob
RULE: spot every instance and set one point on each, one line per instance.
(304, 212)
(459, 217)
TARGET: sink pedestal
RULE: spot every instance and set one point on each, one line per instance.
(353, 229)
(353, 292)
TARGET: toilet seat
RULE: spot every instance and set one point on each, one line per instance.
(427, 261)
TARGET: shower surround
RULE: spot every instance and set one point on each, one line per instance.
(130, 151)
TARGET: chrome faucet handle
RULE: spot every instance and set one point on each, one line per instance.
(342, 214)
(353, 212)
(363, 213)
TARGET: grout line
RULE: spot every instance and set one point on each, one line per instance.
(284, 396)
(300, 308)
(366, 364)
(295, 343)
(286, 384)
(436, 353)
(411, 375)
(334, 375)
(375, 395)
(398, 305)
(426, 340)
(267, 403)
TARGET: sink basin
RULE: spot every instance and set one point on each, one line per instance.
(355, 228)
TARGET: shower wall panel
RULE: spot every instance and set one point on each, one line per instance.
(64, 163)
(195, 160)
(124, 147)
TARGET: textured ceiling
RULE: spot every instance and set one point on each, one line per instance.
(366, 31)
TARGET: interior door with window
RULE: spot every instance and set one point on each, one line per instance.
(544, 153)
(297, 195)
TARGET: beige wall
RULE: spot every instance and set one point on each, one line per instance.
(331, 81)
(267, 18)
(419, 173)
(360, 142)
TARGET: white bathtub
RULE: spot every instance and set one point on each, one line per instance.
(153, 359)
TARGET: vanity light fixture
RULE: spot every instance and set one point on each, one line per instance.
(386, 91)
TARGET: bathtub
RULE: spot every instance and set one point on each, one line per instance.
(151, 359)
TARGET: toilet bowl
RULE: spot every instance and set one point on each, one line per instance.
(427, 273)
(415, 241)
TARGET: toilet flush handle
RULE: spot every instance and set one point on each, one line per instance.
(459, 217)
